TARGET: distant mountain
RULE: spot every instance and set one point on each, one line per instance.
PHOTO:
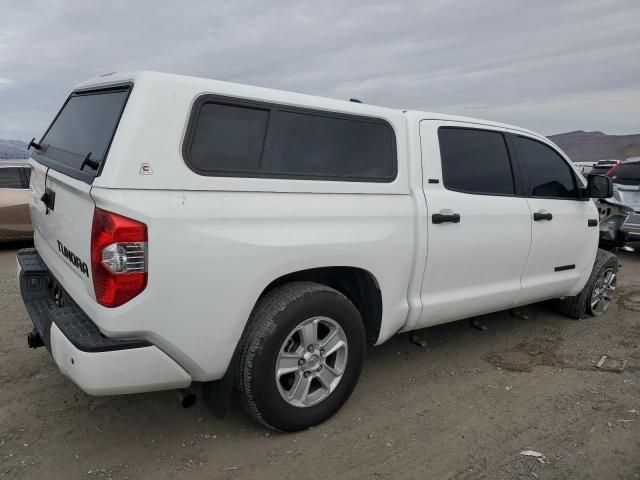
(584, 146)
(13, 149)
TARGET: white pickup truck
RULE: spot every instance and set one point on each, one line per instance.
(195, 231)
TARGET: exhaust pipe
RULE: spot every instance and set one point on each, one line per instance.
(186, 398)
(34, 340)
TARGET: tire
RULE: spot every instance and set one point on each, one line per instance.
(581, 305)
(277, 335)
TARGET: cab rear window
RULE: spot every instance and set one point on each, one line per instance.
(78, 140)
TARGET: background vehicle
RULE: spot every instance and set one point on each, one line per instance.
(15, 222)
(626, 180)
(228, 234)
(584, 167)
(601, 167)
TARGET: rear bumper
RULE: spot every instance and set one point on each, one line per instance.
(99, 365)
(131, 370)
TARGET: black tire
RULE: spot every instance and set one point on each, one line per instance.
(579, 307)
(273, 319)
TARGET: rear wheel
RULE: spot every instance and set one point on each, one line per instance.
(301, 357)
(597, 295)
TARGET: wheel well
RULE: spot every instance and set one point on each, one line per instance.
(356, 284)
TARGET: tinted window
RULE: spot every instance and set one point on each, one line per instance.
(85, 124)
(548, 173)
(228, 138)
(475, 161)
(273, 142)
(314, 145)
(626, 174)
(10, 178)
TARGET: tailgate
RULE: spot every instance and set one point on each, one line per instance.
(70, 155)
(63, 233)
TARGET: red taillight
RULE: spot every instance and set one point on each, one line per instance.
(118, 257)
(612, 169)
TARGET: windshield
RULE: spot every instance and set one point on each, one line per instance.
(83, 130)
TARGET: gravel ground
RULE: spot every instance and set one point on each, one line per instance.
(462, 405)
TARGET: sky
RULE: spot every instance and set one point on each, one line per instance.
(550, 66)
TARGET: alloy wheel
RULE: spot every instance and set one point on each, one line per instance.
(311, 361)
(602, 293)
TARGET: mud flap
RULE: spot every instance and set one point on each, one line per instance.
(217, 394)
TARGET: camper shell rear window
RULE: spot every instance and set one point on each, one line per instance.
(78, 140)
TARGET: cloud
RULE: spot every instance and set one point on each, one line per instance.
(547, 65)
(614, 111)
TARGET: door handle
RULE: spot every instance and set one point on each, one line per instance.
(49, 199)
(445, 217)
(542, 215)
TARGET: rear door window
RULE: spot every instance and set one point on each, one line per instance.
(548, 174)
(10, 178)
(83, 129)
(475, 161)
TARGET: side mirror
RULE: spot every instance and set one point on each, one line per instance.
(599, 186)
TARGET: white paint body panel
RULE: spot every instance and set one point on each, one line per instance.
(121, 371)
(473, 267)
(211, 254)
(552, 246)
(215, 243)
(69, 223)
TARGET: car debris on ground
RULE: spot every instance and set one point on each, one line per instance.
(611, 364)
(532, 453)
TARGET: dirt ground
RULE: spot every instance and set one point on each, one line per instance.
(462, 406)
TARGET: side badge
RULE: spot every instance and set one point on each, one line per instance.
(145, 169)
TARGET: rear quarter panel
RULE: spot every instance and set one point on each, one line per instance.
(211, 254)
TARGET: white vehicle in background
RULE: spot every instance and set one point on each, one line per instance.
(195, 231)
(584, 167)
(601, 167)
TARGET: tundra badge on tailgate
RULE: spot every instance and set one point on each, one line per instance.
(73, 258)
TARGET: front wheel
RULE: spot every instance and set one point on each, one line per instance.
(302, 355)
(597, 295)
